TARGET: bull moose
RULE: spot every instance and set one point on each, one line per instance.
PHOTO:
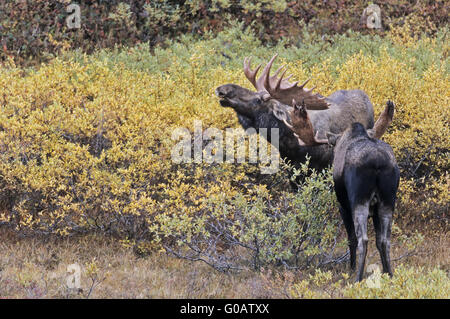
(267, 108)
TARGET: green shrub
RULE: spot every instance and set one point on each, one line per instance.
(407, 282)
(256, 228)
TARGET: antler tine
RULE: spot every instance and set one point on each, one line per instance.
(318, 140)
(269, 64)
(265, 76)
(304, 83)
(277, 87)
(310, 90)
(287, 124)
(292, 85)
(272, 78)
(249, 73)
(277, 71)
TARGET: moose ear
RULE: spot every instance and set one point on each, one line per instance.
(332, 138)
(282, 112)
(371, 133)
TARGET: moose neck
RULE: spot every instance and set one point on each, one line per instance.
(321, 156)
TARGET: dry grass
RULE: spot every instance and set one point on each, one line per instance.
(37, 268)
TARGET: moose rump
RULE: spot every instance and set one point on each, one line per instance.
(366, 179)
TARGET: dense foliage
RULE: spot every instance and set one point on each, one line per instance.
(85, 144)
(255, 229)
(37, 29)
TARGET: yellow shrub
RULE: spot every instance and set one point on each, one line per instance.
(86, 145)
(407, 283)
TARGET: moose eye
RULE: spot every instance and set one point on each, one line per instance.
(257, 101)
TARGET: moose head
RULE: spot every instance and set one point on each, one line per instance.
(270, 90)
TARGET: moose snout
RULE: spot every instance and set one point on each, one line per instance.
(219, 93)
(225, 91)
(224, 95)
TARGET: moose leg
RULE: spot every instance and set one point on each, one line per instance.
(350, 228)
(361, 213)
(383, 222)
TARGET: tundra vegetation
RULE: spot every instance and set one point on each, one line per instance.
(86, 174)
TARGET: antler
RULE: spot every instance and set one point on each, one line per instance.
(251, 74)
(383, 121)
(281, 89)
(285, 91)
(301, 125)
(298, 121)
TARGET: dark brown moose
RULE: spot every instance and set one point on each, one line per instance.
(366, 178)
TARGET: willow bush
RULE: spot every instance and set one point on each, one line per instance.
(288, 228)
